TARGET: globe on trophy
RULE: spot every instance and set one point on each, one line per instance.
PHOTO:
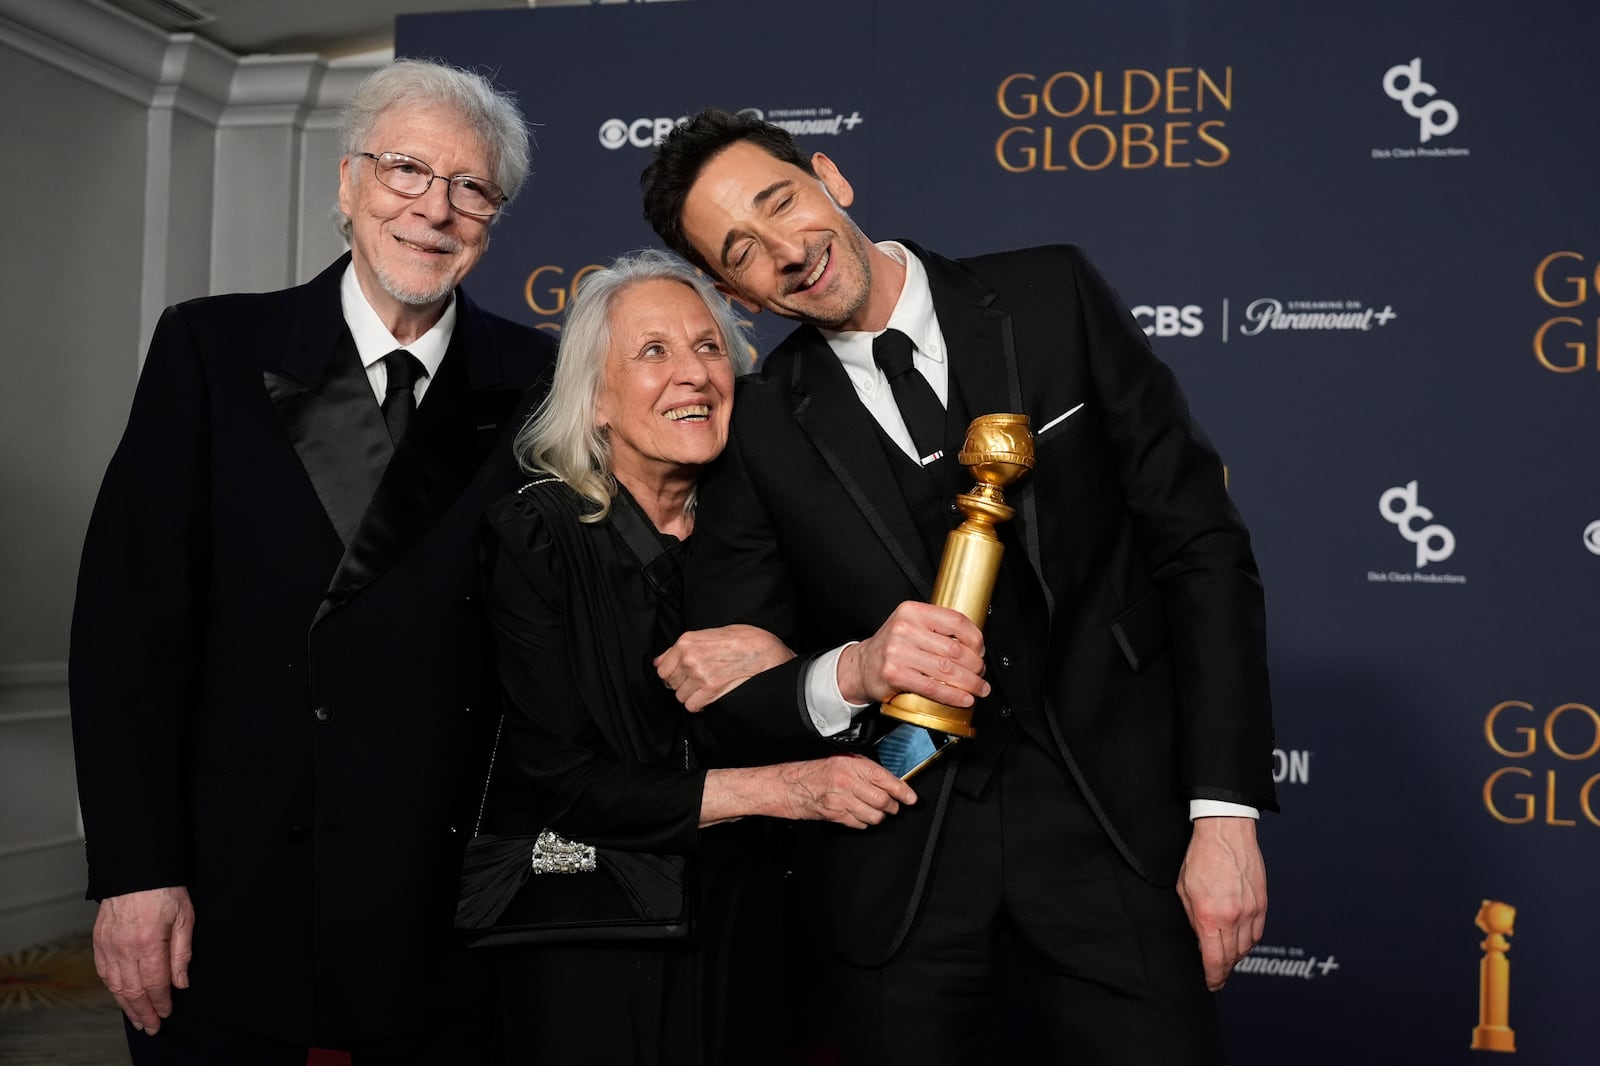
(998, 450)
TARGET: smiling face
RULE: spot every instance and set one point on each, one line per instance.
(410, 252)
(779, 239)
(668, 386)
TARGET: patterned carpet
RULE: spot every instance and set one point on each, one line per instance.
(55, 1012)
(53, 1009)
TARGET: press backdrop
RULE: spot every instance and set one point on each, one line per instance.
(1366, 237)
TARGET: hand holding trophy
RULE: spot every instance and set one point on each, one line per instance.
(998, 450)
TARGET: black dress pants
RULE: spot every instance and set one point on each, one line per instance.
(459, 1033)
(1025, 872)
(185, 1040)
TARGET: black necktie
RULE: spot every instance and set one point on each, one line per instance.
(400, 396)
(919, 407)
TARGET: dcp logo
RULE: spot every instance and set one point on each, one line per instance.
(1434, 542)
(1165, 320)
(641, 132)
(1438, 117)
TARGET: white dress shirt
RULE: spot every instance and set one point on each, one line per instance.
(914, 316)
(374, 341)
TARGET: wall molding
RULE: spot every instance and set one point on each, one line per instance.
(31, 692)
(73, 841)
(91, 40)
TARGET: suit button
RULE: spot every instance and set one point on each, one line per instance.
(299, 834)
(1005, 711)
(323, 714)
(953, 508)
(1005, 660)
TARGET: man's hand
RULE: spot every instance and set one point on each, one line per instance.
(1223, 885)
(849, 789)
(142, 947)
(706, 664)
(921, 648)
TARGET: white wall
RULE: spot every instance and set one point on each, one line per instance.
(143, 168)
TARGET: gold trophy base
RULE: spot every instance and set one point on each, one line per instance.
(1493, 1038)
(919, 710)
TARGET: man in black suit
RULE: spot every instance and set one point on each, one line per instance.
(1123, 727)
(277, 654)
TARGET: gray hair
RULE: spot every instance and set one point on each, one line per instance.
(491, 113)
(561, 437)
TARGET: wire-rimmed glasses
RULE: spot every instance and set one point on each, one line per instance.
(412, 177)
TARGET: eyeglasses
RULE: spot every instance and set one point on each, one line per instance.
(413, 177)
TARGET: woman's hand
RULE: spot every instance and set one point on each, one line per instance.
(851, 790)
(706, 664)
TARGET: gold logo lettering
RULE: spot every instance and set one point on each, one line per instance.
(1573, 289)
(1108, 98)
(1570, 733)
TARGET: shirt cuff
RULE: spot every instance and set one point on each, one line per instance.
(830, 712)
(1220, 809)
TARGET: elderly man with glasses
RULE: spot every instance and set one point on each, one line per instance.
(277, 654)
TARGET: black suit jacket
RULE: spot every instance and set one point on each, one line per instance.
(278, 656)
(1153, 681)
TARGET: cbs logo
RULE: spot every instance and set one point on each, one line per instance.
(1166, 320)
(641, 132)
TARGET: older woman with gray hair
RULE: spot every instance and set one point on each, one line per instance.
(632, 898)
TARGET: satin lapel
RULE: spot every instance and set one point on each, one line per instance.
(457, 424)
(327, 407)
(983, 363)
(829, 412)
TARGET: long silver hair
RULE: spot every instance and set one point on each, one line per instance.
(491, 113)
(562, 437)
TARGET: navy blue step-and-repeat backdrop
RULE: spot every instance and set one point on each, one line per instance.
(1366, 237)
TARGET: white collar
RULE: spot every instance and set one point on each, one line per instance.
(913, 315)
(372, 337)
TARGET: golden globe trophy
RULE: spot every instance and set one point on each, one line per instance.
(1493, 1031)
(998, 450)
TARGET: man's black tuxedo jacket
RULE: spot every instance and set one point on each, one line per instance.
(278, 657)
(1154, 681)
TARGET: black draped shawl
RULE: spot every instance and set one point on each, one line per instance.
(594, 745)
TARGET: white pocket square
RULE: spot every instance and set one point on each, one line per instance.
(1057, 420)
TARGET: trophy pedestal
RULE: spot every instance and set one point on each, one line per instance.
(919, 710)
